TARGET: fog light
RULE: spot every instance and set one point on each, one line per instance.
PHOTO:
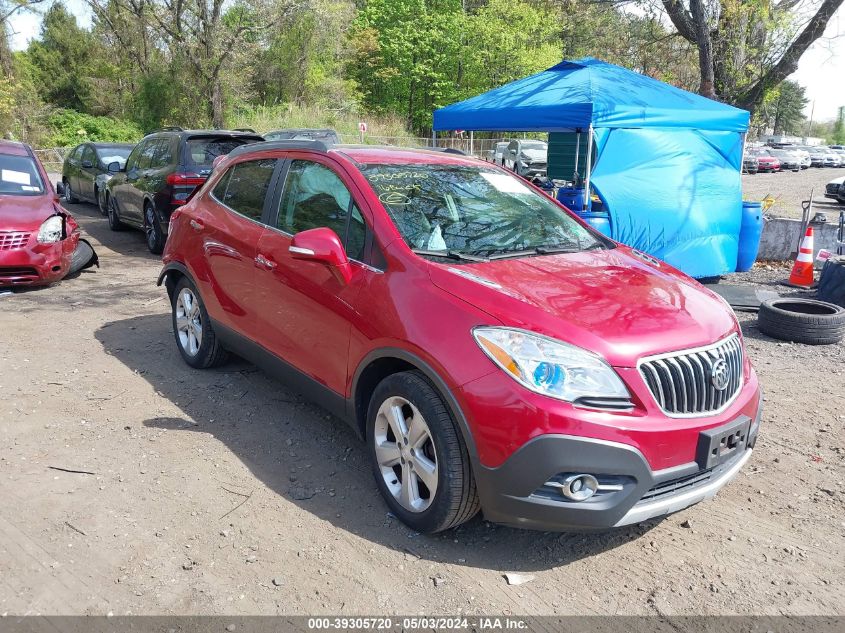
(579, 487)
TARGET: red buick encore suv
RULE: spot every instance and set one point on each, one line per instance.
(494, 351)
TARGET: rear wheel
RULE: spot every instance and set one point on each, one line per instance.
(420, 461)
(195, 336)
(155, 238)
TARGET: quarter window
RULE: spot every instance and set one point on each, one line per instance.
(243, 188)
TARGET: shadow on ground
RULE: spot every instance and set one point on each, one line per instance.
(126, 242)
(315, 460)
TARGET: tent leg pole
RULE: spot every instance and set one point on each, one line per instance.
(577, 152)
(433, 137)
(471, 143)
(587, 197)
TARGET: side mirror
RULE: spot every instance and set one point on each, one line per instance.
(87, 164)
(322, 245)
(113, 167)
(60, 189)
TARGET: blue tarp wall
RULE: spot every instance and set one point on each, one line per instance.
(667, 161)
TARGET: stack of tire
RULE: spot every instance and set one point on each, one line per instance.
(802, 321)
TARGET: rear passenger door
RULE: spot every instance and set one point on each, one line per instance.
(132, 198)
(229, 224)
(306, 312)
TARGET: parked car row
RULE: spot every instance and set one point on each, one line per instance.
(791, 157)
(139, 186)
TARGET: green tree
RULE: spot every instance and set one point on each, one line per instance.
(783, 109)
(62, 57)
(838, 132)
(746, 48)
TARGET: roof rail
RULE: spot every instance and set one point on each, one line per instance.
(445, 150)
(166, 128)
(244, 129)
(318, 146)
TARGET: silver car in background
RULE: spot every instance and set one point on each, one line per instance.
(528, 158)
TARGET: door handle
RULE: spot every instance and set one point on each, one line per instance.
(197, 226)
(265, 263)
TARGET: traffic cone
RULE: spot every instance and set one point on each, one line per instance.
(802, 270)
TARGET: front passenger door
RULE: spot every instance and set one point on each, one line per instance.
(306, 312)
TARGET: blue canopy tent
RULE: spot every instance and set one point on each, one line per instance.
(666, 162)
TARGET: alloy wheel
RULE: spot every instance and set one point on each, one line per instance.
(405, 454)
(188, 322)
(150, 219)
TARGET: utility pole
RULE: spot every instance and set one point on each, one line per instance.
(810, 122)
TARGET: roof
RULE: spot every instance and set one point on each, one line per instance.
(577, 94)
(363, 153)
(14, 148)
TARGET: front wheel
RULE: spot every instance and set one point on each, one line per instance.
(420, 461)
(195, 336)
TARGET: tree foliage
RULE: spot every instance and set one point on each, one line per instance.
(211, 62)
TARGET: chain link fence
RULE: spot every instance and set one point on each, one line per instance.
(53, 158)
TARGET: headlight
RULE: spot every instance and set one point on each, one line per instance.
(549, 367)
(51, 230)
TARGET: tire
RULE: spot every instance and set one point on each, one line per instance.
(72, 199)
(802, 321)
(155, 238)
(440, 452)
(83, 257)
(114, 218)
(195, 337)
(99, 199)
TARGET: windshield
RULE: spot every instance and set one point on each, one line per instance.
(328, 136)
(473, 210)
(19, 176)
(108, 155)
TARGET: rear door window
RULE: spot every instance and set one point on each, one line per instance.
(89, 157)
(148, 151)
(201, 151)
(243, 188)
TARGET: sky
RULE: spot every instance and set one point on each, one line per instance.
(821, 70)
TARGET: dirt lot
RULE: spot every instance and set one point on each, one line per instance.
(790, 189)
(221, 492)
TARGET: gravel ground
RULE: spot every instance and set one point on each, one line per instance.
(791, 188)
(221, 492)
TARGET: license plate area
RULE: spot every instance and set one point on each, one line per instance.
(718, 445)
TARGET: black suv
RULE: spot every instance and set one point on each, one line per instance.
(160, 175)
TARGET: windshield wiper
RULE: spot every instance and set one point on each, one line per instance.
(450, 254)
(551, 250)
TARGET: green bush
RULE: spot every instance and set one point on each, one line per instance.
(66, 128)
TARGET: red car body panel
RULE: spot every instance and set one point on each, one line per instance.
(23, 260)
(612, 302)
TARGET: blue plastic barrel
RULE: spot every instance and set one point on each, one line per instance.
(571, 198)
(749, 235)
(599, 221)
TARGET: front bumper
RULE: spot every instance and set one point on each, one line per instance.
(521, 492)
(36, 264)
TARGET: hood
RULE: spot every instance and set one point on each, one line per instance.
(25, 213)
(537, 155)
(837, 181)
(610, 302)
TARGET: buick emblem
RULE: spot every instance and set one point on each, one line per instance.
(720, 374)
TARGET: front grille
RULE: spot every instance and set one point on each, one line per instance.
(674, 486)
(14, 273)
(682, 383)
(13, 240)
